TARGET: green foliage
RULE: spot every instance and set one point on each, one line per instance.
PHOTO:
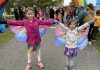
(41, 3)
(27, 3)
(5, 37)
(8, 6)
(45, 3)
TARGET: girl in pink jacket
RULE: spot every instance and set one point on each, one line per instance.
(33, 36)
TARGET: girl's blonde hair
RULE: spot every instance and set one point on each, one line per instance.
(29, 9)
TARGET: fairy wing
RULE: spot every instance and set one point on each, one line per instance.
(16, 29)
(20, 32)
(82, 38)
(42, 29)
(59, 36)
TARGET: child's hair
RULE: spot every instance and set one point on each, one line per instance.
(98, 11)
(90, 6)
(29, 9)
(72, 20)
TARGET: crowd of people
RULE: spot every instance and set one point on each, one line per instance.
(50, 12)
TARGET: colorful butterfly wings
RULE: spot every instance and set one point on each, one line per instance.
(82, 38)
(60, 37)
(20, 32)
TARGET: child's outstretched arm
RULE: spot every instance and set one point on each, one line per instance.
(46, 22)
(16, 22)
(3, 22)
(63, 26)
(13, 22)
(80, 28)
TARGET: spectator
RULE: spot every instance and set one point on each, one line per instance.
(51, 13)
(16, 12)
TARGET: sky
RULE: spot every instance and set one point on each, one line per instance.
(91, 1)
(66, 2)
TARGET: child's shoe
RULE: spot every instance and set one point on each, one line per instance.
(72, 68)
(67, 67)
(89, 42)
(40, 64)
(28, 67)
(93, 39)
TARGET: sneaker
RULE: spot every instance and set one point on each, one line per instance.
(67, 67)
(28, 67)
(93, 39)
(72, 68)
(40, 64)
(89, 42)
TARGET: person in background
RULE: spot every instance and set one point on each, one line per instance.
(47, 12)
(36, 11)
(96, 25)
(51, 12)
(58, 14)
(21, 13)
(16, 12)
(2, 26)
(62, 13)
(41, 14)
(69, 13)
(90, 9)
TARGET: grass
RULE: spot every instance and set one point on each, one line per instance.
(96, 44)
(5, 37)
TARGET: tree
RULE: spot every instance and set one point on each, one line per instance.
(30, 3)
(45, 3)
(40, 3)
(8, 6)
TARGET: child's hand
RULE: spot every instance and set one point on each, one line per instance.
(3, 22)
(55, 21)
(92, 21)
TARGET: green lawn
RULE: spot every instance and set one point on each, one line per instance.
(5, 37)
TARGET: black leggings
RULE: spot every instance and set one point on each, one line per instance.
(94, 32)
(90, 32)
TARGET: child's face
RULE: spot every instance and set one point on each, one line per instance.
(40, 12)
(29, 14)
(72, 25)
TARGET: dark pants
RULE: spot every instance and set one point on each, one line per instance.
(52, 16)
(69, 17)
(90, 32)
(17, 17)
(62, 19)
(94, 32)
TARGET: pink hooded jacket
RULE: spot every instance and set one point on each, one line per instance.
(32, 29)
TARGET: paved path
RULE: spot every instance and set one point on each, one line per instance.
(13, 56)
